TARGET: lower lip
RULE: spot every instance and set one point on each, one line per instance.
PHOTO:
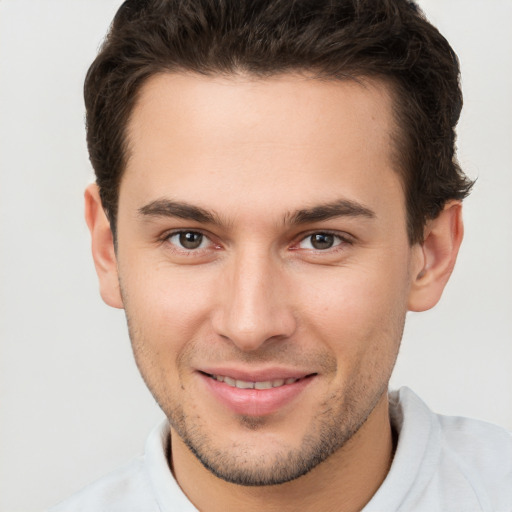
(255, 402)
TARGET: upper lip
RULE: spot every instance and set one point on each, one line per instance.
(256, 375)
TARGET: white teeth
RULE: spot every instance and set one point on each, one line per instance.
(263, 385)
(229, 381)
(242, 384)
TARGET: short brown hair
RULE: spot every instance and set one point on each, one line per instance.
(331, 39)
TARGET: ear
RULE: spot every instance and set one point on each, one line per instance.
(437, 256)
(102, 243)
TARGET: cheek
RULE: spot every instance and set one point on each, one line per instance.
(168, 307)
(358, 311)
(167, 311)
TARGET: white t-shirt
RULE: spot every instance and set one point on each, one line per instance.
(441, 463)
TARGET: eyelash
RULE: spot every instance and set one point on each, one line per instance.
(182, 250)
(343, 240)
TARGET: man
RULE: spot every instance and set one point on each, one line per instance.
(276, 188)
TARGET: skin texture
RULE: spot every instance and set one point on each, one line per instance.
(256, 159)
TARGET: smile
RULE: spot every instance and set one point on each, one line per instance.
(242, 384)
(255, 393)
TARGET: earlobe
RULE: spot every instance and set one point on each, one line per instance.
(437, 254)
(102, 244)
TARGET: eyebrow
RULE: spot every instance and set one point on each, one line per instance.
(168, 208)
(340, 208)
(186, 211)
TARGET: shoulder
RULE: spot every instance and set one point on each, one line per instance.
(481, 453)
(125, 489)
(455, 460)
(145, 484)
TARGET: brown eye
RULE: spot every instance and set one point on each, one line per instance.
(187, 239)
(321, 241)
(191, 240)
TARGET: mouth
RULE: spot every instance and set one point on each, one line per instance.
(256, 395)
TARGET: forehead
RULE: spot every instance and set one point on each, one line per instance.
(293, 108)
(287, 140)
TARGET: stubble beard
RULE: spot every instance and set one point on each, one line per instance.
(341, 416)
(240, 465)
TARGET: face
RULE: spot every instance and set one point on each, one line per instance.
(264, 265)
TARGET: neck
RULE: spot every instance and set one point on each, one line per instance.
(346, 481)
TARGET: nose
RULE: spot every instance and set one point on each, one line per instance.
(254, 306)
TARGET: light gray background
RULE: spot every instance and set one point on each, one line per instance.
(72, 403)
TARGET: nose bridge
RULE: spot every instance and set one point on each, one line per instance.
(254, 306)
